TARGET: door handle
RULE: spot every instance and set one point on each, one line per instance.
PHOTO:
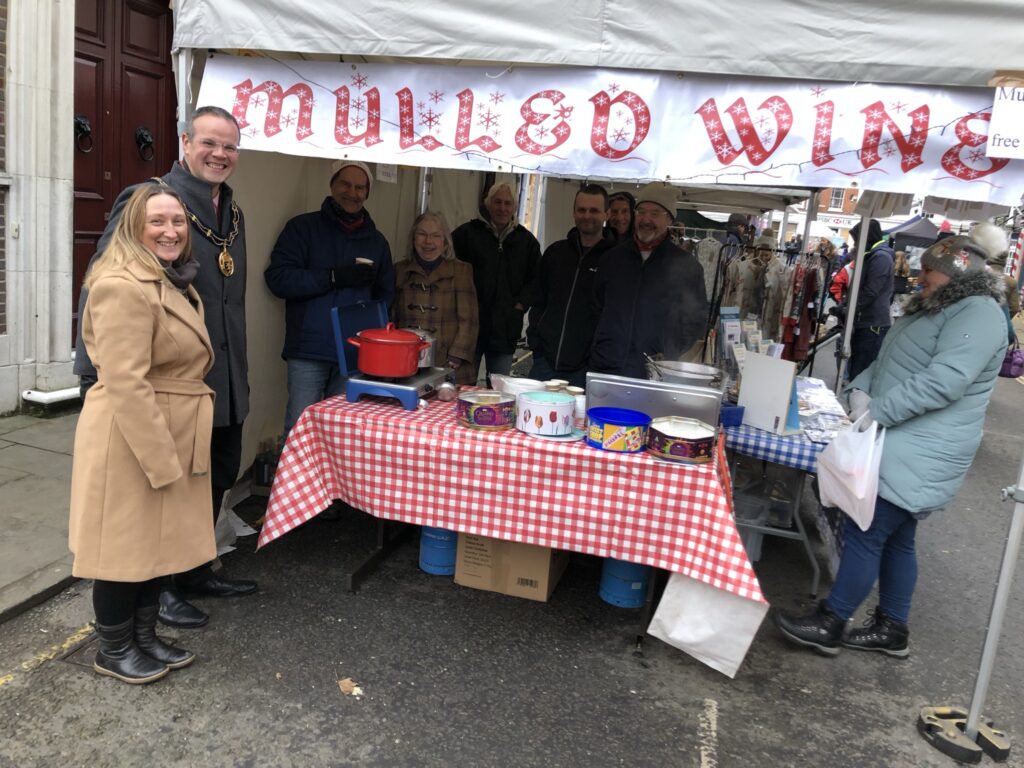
(83, 134)
(144, 142)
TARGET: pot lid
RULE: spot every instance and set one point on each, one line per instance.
(389, 335)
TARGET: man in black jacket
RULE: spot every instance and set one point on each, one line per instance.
(561, 308)
(210, 148)
(649, 295)
(504, 255)
(873, 316)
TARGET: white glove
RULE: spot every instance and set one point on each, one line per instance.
(860, 401)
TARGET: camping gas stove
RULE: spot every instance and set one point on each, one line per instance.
(407, 391)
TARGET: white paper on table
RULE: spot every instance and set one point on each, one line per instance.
(710, 624)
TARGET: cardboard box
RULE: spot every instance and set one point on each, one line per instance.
(507, 567)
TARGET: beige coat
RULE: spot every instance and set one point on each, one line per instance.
(140, 488)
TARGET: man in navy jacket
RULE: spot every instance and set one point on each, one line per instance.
(323, 259)
(872, 317)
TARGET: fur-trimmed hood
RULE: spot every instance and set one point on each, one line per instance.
(974, 283)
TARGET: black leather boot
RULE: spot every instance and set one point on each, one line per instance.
(880, 633)
(176, 612)
(821, 630)
(119, 657)
(151, 645)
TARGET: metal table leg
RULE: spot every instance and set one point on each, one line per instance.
(386, 544)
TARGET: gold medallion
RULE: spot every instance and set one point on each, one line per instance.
(225, 262)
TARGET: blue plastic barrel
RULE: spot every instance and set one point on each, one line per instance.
(437, 550)
(624, 584)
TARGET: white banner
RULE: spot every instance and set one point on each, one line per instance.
(621, 124)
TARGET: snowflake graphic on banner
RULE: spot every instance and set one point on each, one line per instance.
(436, 96)
(486, 118)
(429, 119)
(497, 97)
(817, 91)
(359, 80)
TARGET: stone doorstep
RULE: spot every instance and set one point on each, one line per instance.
(35, 588)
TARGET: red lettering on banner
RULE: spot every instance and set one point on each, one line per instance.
(367, 108)
(640, 123)
(406, 124)
(822, 146)
(952, 161)
(750, 142)
(271, 94)
(560, 133)
(911, 149)
(462, 140)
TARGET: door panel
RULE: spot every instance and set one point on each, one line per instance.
(123, 81)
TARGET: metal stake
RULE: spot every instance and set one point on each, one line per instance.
(946, 728)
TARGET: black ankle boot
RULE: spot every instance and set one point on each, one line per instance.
(119, 657)
(821, 630)
(881, 633)
(151, 645)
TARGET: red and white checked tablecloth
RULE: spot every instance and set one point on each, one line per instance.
(421, 467)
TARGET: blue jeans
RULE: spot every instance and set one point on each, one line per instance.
(864, 346)
(543, 371)
(310, 381)
(884, 553)
(495, 362)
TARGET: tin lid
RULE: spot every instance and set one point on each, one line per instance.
(389, 335)
(683, 428)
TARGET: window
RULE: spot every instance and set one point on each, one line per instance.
(835, 203)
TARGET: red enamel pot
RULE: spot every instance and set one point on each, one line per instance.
(388, 352)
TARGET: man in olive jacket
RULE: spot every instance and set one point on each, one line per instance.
(504, 256)
(210, 147)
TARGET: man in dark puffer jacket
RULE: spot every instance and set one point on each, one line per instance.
(323, 259)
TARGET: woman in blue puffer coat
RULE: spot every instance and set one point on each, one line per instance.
(929, 387)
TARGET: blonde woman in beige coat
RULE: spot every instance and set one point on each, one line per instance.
(140, 492)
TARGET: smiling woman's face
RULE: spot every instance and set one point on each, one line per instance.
(166, 230)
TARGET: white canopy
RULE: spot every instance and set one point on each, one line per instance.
(942, 42)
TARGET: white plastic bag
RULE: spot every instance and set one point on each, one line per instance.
(848, 471)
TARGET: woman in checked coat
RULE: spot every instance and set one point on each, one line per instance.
(434, 293)
(140, 488)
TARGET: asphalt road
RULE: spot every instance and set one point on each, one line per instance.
(454, 676)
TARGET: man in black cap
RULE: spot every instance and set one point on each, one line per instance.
(872, 317)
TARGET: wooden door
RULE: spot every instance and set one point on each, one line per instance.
(124, 86)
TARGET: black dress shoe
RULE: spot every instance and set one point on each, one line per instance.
(176, 612)
(212, 585)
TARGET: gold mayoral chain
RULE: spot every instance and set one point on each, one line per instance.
(224, 260)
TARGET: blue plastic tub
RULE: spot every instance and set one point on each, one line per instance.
(617, 429)
(624, 584)
(437, 550)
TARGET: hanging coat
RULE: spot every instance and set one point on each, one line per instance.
(140, 488)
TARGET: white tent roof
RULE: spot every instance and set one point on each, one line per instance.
(942, 42)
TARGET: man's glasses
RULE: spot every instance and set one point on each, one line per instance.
(211, 145)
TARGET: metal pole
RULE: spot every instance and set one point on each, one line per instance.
(812, 215)
(995, 623)
(426, 178)
(851, 303)
(182, 86)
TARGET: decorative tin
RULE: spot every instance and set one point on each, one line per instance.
(617, 429)
(545, 413)
(676, 438)
(486, 409)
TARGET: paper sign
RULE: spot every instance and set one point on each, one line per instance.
(387, 173)
(1006, 131)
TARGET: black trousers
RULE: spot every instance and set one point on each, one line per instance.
(225, 461)
(115, 601)
(864, 346)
